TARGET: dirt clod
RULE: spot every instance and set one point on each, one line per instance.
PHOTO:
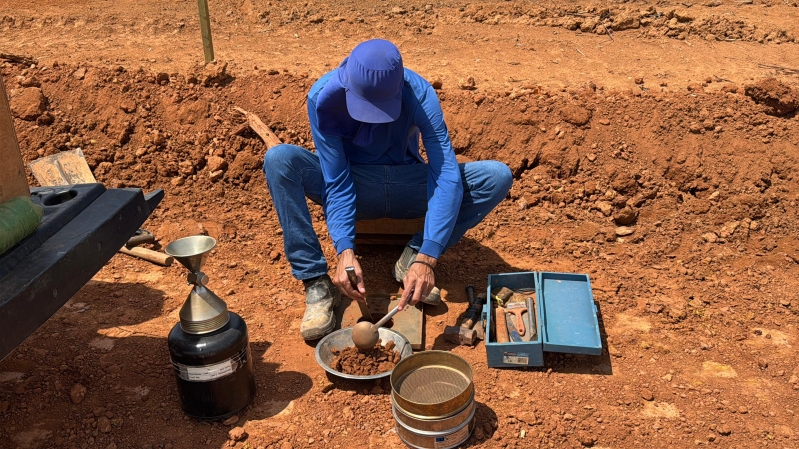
(80, 73)
(467, 83)
(576, 115)
(216, 163)
(104, 425)
(623, 231)
(625, 216)
(215, 73)
(237, 434)
(127, 105)
(778, 98)
(28, 104)
(377, 360)
(77, 393)
(586, 439)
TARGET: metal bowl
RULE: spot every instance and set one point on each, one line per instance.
(342, 338)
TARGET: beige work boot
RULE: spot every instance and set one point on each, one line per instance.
(321, 298)
(401, 267)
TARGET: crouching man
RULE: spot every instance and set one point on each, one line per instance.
(366, 118)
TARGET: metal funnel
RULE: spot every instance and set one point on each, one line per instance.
(192, 251)
(203, 312)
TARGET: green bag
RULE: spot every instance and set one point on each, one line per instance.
(19, 217)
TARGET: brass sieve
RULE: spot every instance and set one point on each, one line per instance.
(432, 384)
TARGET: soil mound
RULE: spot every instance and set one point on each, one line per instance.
(704, 270)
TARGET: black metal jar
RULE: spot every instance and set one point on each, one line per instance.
(214, 371)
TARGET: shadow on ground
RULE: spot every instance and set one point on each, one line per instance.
(125, 370)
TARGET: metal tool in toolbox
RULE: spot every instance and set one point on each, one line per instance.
(562, 317)
(519, 322)
(471, 328)
(209, 347)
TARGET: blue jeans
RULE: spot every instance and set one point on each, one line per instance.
(381, 191)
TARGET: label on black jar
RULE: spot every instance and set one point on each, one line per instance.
(206, 373)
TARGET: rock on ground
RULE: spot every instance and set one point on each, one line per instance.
(214, 73)
(576, 115)
(778, 98)
(216, 163)
(232, 420)
(625, 216)
(28, 104)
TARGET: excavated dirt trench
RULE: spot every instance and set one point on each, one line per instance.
(681, 206)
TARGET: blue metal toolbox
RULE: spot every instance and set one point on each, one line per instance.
(560, 308)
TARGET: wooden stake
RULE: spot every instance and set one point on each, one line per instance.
(13, 181)
(266, 134)
(19, 59)
(205, 28)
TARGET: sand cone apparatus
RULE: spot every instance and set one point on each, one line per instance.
(209, 347)
(203, 312)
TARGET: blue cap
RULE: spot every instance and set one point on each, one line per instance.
(373, 78)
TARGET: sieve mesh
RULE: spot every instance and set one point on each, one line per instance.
(432, 384)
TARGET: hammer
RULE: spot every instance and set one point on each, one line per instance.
(464, 334)
(143, 236)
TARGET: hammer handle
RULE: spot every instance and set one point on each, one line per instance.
(148, 255)
(473, 312)
(502, 326)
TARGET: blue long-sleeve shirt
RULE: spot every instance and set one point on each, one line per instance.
(394, 143)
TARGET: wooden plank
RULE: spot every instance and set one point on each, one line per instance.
(62, 169)
(390, 226)
(13, 180)
(205, 29)
(266, 134)
(382, 239)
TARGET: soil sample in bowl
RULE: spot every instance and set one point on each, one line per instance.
(368, 362)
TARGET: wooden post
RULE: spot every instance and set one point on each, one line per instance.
(205, 27)
(13, 181)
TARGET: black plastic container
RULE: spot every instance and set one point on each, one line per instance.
(214, 371)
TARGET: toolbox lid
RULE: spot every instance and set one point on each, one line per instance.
(568, 314)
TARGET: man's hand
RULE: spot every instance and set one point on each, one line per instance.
(347, 259)
(419, 281)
